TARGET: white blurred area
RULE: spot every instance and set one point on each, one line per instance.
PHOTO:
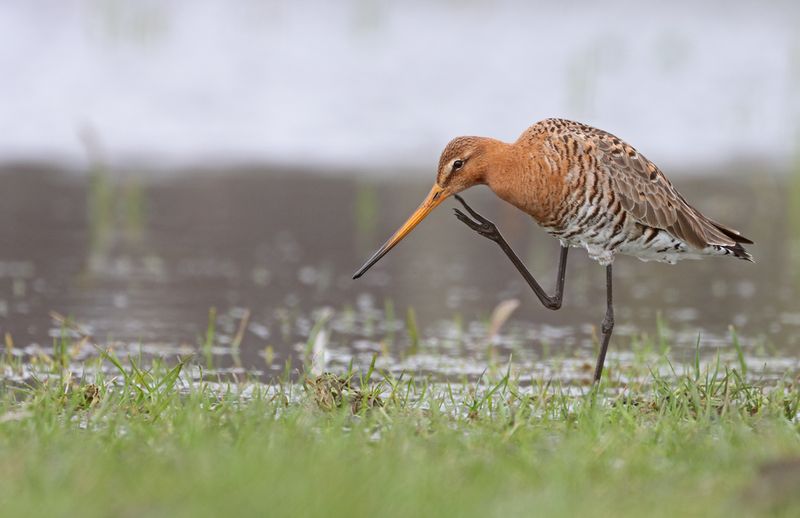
(375, 86)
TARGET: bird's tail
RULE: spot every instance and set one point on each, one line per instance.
(738, 239)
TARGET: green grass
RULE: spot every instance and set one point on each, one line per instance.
(145, 442)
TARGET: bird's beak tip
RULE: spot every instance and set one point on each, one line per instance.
(433, 199)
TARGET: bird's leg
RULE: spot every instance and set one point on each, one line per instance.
(487, 229)
(607, 327)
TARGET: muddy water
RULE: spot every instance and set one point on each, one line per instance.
(142, 265)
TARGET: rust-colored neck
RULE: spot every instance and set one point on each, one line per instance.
(498, 161)
(519, 174)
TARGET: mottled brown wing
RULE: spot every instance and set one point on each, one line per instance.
(644, 192)
(650, 198)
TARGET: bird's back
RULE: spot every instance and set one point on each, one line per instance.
(611, 199)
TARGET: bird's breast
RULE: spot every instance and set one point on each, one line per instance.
(533, 186)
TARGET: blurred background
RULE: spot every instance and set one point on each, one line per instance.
(166, 164)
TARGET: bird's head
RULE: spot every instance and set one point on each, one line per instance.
(461, 165)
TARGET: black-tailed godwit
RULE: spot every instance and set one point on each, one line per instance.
(585, 187)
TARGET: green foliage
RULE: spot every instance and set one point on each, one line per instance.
(147, 441)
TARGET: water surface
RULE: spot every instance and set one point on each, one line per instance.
(141, 264)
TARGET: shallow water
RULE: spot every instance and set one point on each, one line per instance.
(137, 264)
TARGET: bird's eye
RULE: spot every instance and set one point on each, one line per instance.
(457, 164)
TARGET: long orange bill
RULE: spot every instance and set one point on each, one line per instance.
(434, 198)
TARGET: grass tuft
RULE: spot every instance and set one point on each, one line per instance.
(134, 439)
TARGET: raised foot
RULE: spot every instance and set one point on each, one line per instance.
(479, 224)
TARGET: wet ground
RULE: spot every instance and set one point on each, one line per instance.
(142, 265)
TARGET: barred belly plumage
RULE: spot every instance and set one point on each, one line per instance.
(594, 219)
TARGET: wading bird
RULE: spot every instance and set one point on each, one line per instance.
(585, 187)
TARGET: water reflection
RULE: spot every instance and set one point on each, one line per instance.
(140, 265)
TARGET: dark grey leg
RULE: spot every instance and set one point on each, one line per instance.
(488, 230)
(607, 327)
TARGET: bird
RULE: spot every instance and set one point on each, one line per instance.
(587, 188)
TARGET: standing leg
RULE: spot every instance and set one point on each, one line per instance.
(607, 327)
